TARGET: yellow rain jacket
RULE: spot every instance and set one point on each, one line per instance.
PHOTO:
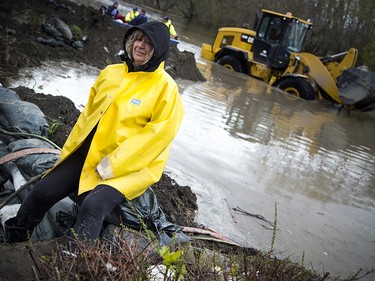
(131, 15)
(170, 26)
(137, 116)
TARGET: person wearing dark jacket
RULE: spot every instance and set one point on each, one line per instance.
(111, 10)
(120, 143)
(141, 18)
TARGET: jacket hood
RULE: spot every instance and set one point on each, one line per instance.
(158, 34)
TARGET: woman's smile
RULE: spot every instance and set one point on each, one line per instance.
(141, 50)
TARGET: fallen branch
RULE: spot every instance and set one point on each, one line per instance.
(215, 240)
(22, 188)
(210, 233)
(230, 211)
(238, 209)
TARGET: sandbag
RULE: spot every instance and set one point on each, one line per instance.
(21, 116)
(145, 207)
(64, 29)
(8, 95)
(145, 210)
(50, 227)
(33, 164)
(141, 211)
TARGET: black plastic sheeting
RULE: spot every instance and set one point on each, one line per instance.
(25, 117)
(20, 116)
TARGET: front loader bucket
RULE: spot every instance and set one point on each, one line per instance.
(357, 88)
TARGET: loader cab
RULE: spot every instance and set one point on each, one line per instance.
(277, 36)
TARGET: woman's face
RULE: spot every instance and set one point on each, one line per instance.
(142, 49)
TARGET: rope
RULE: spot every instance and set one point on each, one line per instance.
(27, 151)
(20, 134)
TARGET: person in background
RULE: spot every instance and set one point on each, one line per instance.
(141, 18)
(111, 10)
(131, 15)
(172, 30)
(119, 145)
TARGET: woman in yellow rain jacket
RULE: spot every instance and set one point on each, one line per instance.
(120, 143)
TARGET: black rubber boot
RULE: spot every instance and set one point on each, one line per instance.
(15, 234)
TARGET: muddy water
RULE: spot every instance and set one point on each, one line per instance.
(248, 146)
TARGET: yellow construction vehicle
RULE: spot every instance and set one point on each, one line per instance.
(273, 53)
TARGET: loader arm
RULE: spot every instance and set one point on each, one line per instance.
(348, 61)
(319, 72)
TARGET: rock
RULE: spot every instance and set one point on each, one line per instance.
(10, 31)
(78, 44)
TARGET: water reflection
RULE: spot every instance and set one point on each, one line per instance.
(246, 144)
(323, 150)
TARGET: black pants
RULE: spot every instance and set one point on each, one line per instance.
(64, 181)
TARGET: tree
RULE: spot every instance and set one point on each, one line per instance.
(338, 24)
(369, 56)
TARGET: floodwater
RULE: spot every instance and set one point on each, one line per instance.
(248, 146)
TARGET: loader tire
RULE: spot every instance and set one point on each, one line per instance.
(298, 87)
(233, 63)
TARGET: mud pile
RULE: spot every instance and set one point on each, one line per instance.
(28, 37)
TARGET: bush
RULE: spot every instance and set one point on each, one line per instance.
(369, 56)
